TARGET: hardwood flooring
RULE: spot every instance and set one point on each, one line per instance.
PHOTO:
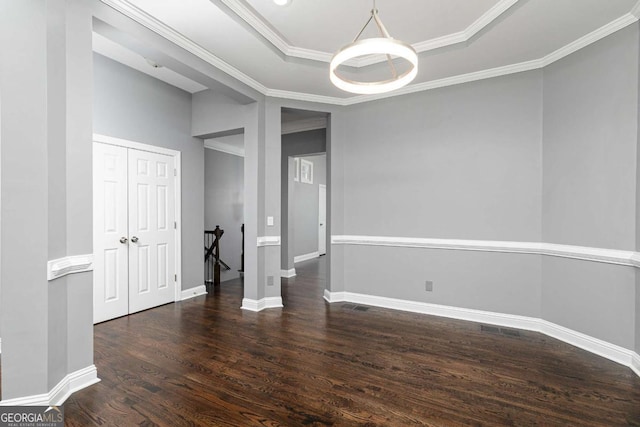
(205, 362)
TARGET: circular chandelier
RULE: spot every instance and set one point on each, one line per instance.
(385, 45)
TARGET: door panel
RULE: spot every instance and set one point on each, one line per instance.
(151, 227)
(322, 223)
(110, 296)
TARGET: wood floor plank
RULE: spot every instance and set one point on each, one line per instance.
(205, 362)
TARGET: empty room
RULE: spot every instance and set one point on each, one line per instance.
(302, 212)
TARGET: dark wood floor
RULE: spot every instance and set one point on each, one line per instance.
(206, 362)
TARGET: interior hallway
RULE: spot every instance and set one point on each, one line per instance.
(206, 362)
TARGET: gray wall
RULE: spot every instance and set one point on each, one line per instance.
(295, 144)
(461, 162)
(214, 113)
(305, 199)
(546, 155)
(589, 185)
(45, 83)
(224, 204)
(131, 105)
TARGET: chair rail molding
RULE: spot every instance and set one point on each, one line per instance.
(609, 256)
(60, 267)
(268, 241)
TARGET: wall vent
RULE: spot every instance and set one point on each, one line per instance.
(497, 330)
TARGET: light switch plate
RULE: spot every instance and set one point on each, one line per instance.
(269, 221)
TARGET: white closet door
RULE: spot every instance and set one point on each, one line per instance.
(151, 230)
(110, 273)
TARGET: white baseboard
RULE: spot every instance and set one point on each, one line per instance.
(57, 395)
(262, 304)
(334, 296)
(193, 292)
(306, 257)
(635, 364)
(602, 348)
(288, 273)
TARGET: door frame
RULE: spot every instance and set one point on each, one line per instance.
(104, 139)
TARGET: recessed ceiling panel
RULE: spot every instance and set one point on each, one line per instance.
(326, 25)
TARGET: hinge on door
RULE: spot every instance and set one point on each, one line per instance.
(175, 172)
(175, 225)
(175, 277)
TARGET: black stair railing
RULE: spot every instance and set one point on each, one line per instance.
(212, 259)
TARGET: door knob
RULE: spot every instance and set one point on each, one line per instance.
(123, 240)
(134, 239)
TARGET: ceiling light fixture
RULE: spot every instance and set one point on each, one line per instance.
(282, 2)
(385, 45)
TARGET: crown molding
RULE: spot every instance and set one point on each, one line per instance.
(449, 81)
(307, 97)
(592, 37)
(636, 10)
(168, 33)
(255, 21)
(304, 125)
(224, 148)
(158, 27)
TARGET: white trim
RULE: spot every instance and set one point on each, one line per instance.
(636, 10)
(306, 178)
(262, 304)
(71, 383)
(308, 97)
(304, 125)
(60, 267)
(635, 364)
(450, 81)
(287, 274)
(224, 148)
(193, 292)
(146, 20)
(598, 34)
(255, 21)
(594, 345)
(332, 297)
(268, 241)
(158, 27)
(177, 156)
(306, 257)
(609, 256)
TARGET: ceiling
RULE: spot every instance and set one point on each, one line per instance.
(285, 50)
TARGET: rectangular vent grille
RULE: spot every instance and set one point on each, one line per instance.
(354, 307)
(497, 330)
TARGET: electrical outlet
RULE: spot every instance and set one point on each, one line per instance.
(428, 286)
(269, 280)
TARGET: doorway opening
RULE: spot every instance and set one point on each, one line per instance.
(304, 184)
(224, 208)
